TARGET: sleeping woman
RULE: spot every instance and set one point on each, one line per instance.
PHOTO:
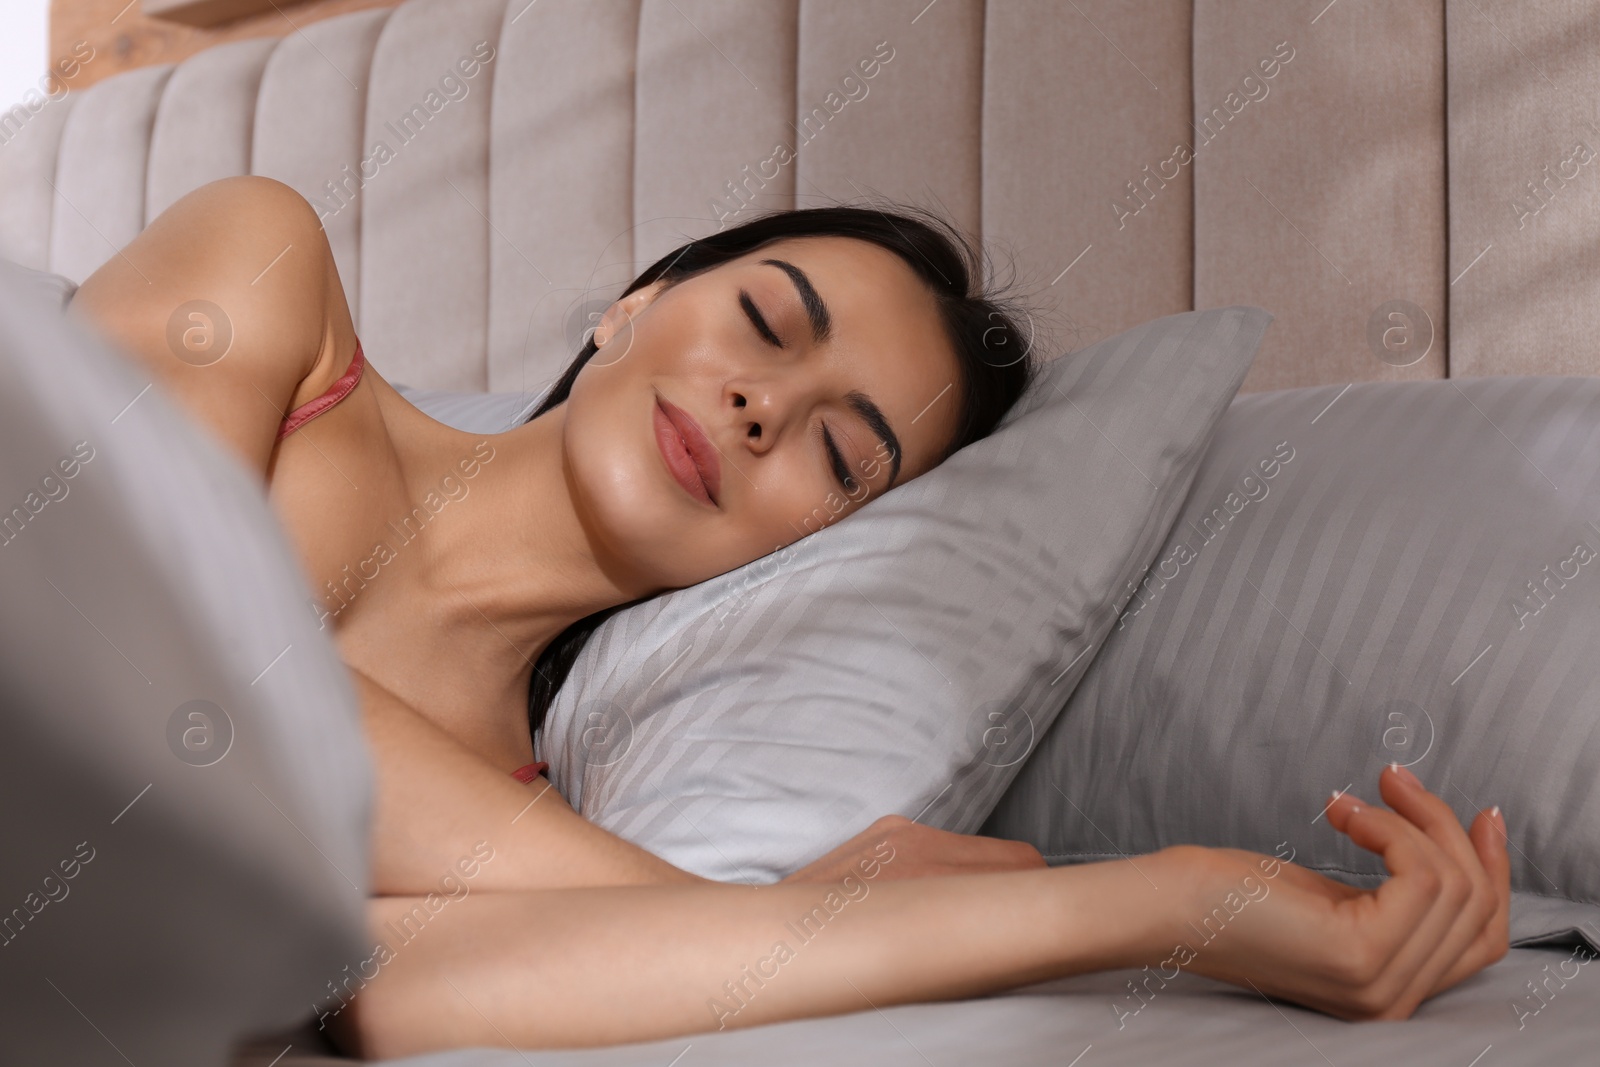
(806, 356)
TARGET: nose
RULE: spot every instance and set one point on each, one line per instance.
(765, 407)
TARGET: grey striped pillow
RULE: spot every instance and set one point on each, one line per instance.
(1376, 572)
(899, 659)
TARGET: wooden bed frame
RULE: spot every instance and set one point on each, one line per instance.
(124, 35)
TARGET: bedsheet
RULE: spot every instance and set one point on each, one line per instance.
(1536, 1006)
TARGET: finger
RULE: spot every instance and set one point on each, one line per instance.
(1469, 899)
(1402, 915)
(1023, 856)
(1410, 798)
(1403, 792)
(963, 852)
(1464, 947)
(1470, 943)
(1489, 839)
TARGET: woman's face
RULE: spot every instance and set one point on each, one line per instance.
(771, 356)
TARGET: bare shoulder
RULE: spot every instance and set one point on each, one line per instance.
(231, 299)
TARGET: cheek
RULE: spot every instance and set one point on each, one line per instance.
(627, 501)
(797, 503)
(611, 475)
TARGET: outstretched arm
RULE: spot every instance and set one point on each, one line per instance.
(586, 967)
(597, 966)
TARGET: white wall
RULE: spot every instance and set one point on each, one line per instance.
(23, 47)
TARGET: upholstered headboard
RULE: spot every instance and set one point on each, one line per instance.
(1130, 160)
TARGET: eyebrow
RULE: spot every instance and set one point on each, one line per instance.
(816, 310)
(862, 404)
(821, 327)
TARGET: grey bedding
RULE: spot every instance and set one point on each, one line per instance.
(1389, 571)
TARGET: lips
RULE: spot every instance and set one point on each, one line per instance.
(688, 451)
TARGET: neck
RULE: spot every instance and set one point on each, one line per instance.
(510, 558)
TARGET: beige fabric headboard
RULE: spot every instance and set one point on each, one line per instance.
(1321, 160)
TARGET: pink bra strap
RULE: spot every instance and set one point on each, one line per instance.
(337, 392)
(530, 771)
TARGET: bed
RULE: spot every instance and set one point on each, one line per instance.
(588, 164)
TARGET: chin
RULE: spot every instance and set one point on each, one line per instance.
(633, 510)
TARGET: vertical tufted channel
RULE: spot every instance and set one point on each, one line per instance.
(100, 172)
(1524, 187)
(1320, 191)
(30, 141)
(309, 128)
(907, 131)
(1083, 104)
(425, 230)
(716, 96)
(204, 123)
(560, 183)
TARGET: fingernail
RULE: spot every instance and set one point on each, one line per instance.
(1405, 776)
(1333, 798)
(1494, 813)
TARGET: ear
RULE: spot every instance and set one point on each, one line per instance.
(620, 315)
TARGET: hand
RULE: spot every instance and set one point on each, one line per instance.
(1442, 916)
(917, 851)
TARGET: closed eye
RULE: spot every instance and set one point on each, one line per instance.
(758, 320)
(841, 470)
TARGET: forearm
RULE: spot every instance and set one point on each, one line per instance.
(436, 800)
(576, 968)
